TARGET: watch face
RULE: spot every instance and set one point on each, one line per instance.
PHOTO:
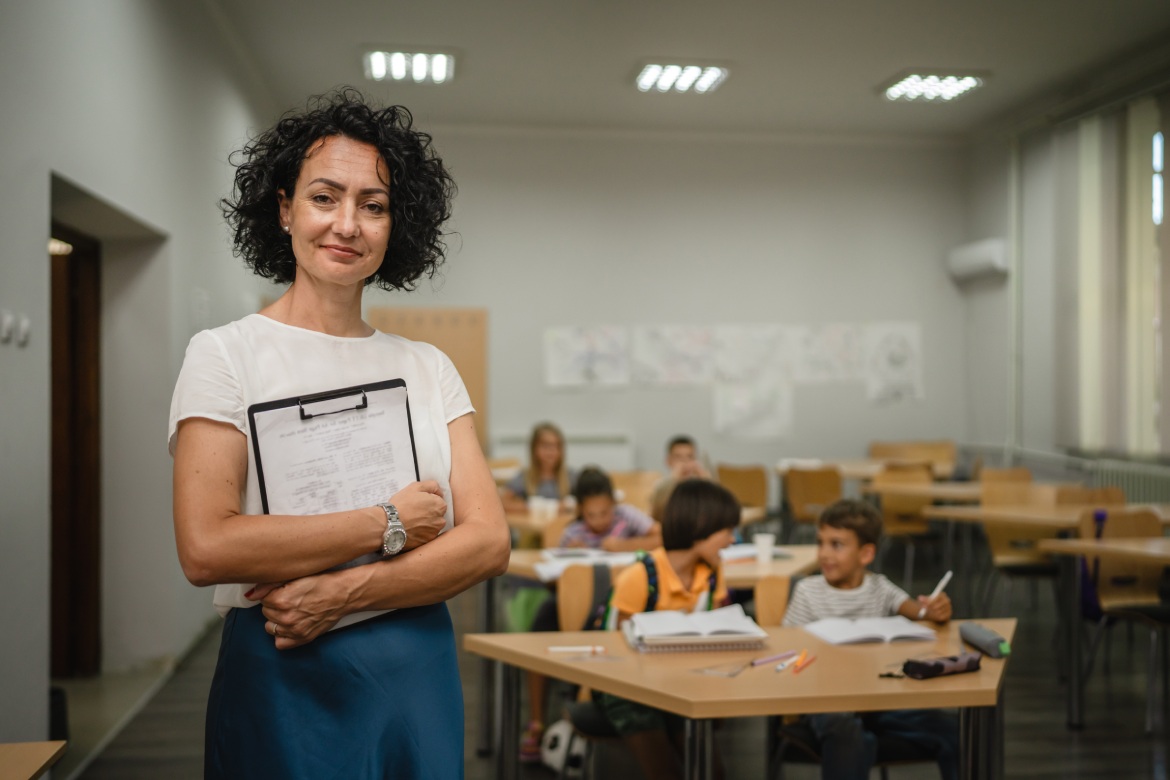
(395, 540)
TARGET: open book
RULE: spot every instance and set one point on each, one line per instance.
(844, 631)
(724, 628)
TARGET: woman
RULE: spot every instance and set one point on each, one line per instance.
(546, 475)
(329, 201)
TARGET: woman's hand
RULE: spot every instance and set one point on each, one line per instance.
(301, 610)
(422, 510)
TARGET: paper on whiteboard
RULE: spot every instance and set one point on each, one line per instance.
(893, 361)
(756, 409)
(744, 352)
(672, 355)
(827, 353)
(586, 355)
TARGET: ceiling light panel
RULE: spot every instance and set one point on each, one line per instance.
(665, 77)
(931, 86)
(410, 67)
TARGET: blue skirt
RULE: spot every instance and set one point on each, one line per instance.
(376, 700)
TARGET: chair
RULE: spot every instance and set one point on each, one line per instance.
(771, 597)
(902, 515)
(749, 484)
(1013, 547)
(1017, 474)
(550, 535)
(581, 593)
(941, 454)
(1128, 591)
(807, 492)
(636, 487)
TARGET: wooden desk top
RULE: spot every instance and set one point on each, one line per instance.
(738, 574)
(535, 521)
(844, 678)
(28, 760)
(955, 492)
(1135, 550)
(1058, 517)
(863, 469)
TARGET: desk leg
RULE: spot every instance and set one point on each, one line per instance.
(1076, 677)
(981, 742)
(698, 758)
(487, 670)
(507, 758)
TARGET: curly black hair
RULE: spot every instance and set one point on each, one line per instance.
(421, 189)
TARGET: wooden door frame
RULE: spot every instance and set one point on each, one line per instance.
(75, 590)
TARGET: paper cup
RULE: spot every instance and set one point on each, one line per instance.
(765, 543)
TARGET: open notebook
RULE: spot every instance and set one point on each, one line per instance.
(844, 631)
(727, 628)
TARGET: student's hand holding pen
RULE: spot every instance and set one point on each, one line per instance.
(937, 609)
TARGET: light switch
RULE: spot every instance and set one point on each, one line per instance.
(7, 324)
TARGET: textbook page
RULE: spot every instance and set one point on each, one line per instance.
(843, 631)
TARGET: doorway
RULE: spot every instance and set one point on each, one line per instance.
(75, 581)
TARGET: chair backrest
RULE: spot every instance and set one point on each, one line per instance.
(771, 598)
(581, 591)
(503, 463)
(749, 484)
(902, 515)
(1015, 544)
(550, 535)
(809, 491)
(1018, 474)
(636, 487)
(1123, 582)
(942, 452)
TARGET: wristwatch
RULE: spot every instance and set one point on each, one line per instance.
(394, 539)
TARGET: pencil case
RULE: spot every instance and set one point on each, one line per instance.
(925, 668)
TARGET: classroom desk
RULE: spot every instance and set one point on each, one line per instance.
(536, 521)
(1138, 551)
(802, 559)
(28, 760)
(504, 474)
(863, 469)
(1058, 517)
(953, 492)
(843, 679)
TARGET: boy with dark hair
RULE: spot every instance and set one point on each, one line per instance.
(683, 574)
(682, 462)
(848, 533)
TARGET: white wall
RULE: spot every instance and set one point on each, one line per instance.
(134, 102)
(607, 228)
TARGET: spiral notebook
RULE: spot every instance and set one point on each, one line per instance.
(727, 628)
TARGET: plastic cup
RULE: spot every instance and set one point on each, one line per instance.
(765, 543)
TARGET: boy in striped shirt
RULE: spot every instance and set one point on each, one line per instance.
(848, 533)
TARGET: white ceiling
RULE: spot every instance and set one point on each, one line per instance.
(796, 65)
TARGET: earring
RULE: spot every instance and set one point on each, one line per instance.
(286, 228)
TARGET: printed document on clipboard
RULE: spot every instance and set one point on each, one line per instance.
(330, 452)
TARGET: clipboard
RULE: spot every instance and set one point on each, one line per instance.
(333, 451)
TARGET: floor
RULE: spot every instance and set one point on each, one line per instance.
(165, 739)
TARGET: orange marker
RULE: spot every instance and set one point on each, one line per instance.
(800, 667)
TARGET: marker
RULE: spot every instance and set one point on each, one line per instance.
(937, 590)
(800, 667)
(771, 658)
(579, 649)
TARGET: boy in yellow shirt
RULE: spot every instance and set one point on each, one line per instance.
(683, 574)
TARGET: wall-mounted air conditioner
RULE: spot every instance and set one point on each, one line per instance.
(982, 258)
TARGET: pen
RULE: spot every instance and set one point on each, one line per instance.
(777, 657)
(800, 667)
(937, 590)
(580, 649)
(792, 661)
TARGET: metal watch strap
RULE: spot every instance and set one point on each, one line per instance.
(393, 523)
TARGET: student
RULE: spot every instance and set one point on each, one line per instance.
(847, 537)
(699, 521)
(602, 524)
(682, 462)
(546, 475)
